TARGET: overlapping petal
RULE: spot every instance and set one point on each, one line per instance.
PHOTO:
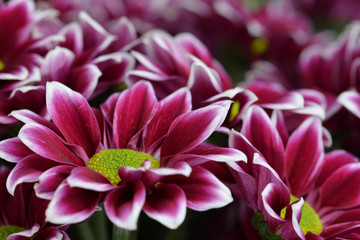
(308, 136)
(180, 140)
(123, 205)
(132, 103)
(64, 104)
(166, 205)
(71, 205)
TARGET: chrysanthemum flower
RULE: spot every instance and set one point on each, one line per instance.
(146, 157)
(23, 215)
(322, 201)
(170, 63)
(19, 58)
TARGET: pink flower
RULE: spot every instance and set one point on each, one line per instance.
(23, 214)
(20, 57)
(321, 199)
(170, 63)
(79, 159)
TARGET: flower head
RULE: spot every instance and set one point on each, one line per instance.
(23, 214)
(141, 154)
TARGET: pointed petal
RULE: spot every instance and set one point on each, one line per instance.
(47, 144)
(332, 162)
(50, 180)
(83, 177)
(13, 150)
(304, 156)
(27, 116)
(203, 190)
(57, 65)
(201, 155)
(263, 135)
(351, 101)
(27, 170)
(73, 116)
(84, 79)
(166, 205)
(203, 83)
(338, 190)
(169, 109)
(183, 136)
(123, 205)
(71, 205)
(133, 110)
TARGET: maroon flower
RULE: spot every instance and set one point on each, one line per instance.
(170, 63)
(23, 214)
(147, 157)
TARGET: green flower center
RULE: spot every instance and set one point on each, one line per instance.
(259, 46)
(108, 162)
(7, 230)
(2, 65)
(310, 221)
(234, 110)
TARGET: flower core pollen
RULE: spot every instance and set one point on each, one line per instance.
(7, 230)
(108, 162)
(2, 65)
(310, 221)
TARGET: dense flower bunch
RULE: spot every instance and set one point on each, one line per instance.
(170, 119)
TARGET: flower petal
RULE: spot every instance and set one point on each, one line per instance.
(47, 144)
(339, 191)
(203, 190)
(85, 178)
(332, 162)
(123, 205)
(169, 109)
(73, 116)
(71, 205)
(304, 156)
(351, 101)
(133, 110)
(27, 170)
(263, 135)
(183, 136)
(13, 150)
(50, 180)
(166, 205)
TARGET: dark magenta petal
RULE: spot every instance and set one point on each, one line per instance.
(338, 190)
(133, 110)
(86, 178)
(183, 136)
(13, 150)
(73, 116)
(304, 156)
(167, 205)
(46, 143)
(71, 205)
(57, 65)
(28, 170)
(203, 190)
(84, 79)
(263, 135)
(332, 162)
(291, 228)
(123, 205)
(169, 109)
(50, 180)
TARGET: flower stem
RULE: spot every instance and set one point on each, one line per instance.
(123, 234)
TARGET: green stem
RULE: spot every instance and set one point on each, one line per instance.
(123, 234)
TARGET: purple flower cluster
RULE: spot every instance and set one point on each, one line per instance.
(158, 108)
